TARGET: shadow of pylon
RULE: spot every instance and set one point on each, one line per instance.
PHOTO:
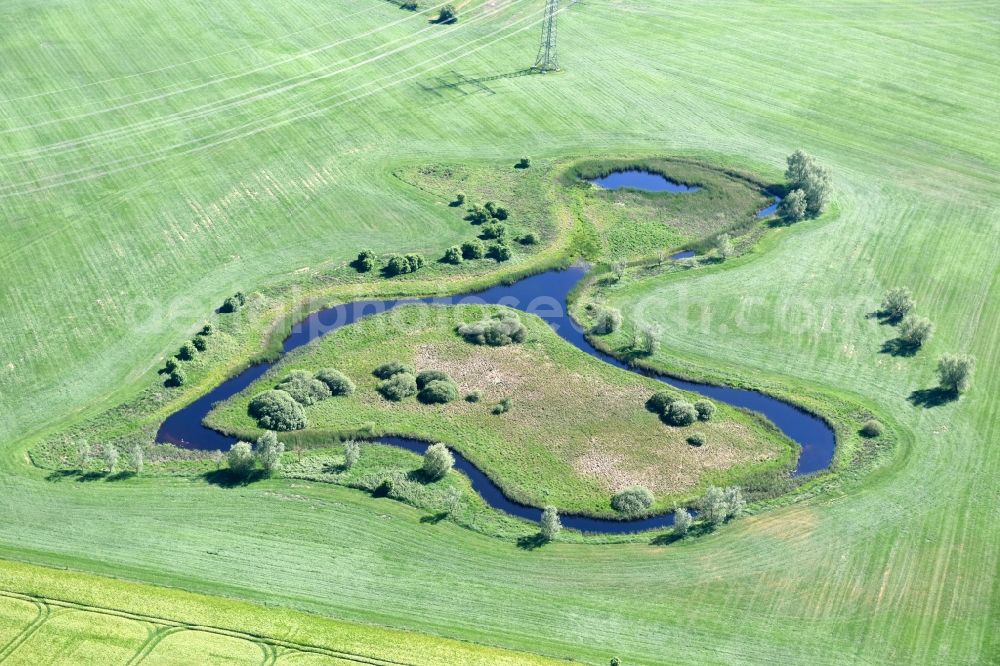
(468, 85)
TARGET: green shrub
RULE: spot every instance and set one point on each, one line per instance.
(550, 524)
(276, 410)
(660, 401)
(501, 329)
(523, 163)
(803, 173)
(269, 451)
(366, 261)
(416, 261)
(199, 343)
(409, 5)
(177, 378)
(705, 409)
(915, 331)
(681, 413)
(500, 213)
(426, 376)
(304, 388)
(696, 439)
(493, 230)
(170, 365)
(438, 392)
(503, 406)
(500, 252)
(187, 352)
(336, 381)
(528, 239)
(607, 321)
(473, 249)
(352, 453)
(447, 15)
(398, 387)
(453, 255)
(460, 198)
(871, 429)
(391, 368)
(682, 521)
(475, 396)
(234, 302)
(438, 461)
(478, 215)
(207, 329)
(632, 500)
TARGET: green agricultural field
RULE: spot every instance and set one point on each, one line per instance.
(159, 157)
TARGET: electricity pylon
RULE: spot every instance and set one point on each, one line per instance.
(546, 60)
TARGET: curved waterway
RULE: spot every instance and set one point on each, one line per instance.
(543, 295)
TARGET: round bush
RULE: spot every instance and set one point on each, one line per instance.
(391, 368)
(276, 410)
(336, 381)
(660, 401)
(200, 343)
(500, 252)
(304, 388)
(473, 249)
(632, 500)
(177, 378)
(681, 413)
(438, 392)
(696, 439)
(401, 385)
(207, 329)
(170, 365)
(187, 352)
(427, 376)
(705, 409)
(871, 429)
(475, 396)
(437, 461)
(607, 321)
(528, 239)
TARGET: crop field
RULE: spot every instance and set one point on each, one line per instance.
(159, 157)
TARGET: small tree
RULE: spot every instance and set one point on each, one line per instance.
(207, 329)
(500, 252)
(523, 163)
(805, 174)
(494, 230)
(724, 246)
(200, 343)
(269, 451)
(473, 249)
(453, 255)
(916, 330)
(110, 458)
(365, 261)
(897, 303)
(550, 523)
(608, 320)
(83, 452)
(187, 352)
(955, 372)
(437, 461)
(240, 458)
(397, 265)
(793, 207)
(170, 365)
(447, 15)
(177, 377)
(682, 521)
(705, 409)
(452, 499)
(352, 453)
(460, 199)
(618, 269)
(234, 302)
(735, 504)
(645, 340)
(714, 508)
(138, 458)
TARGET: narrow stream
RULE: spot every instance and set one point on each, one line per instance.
(545, 296)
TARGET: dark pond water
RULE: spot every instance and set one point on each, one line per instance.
(543, 295)
(647, 181)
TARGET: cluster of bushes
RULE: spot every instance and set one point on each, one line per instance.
(199, 343)
(281, 407)
(808, 188)
(396, 264)
(503, 406)
(501, 329)
(675, 411)
(243, 457)
(954, 370)
(491, 217)
(400, 381)
(717, 506)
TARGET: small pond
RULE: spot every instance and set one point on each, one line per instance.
(639, 179)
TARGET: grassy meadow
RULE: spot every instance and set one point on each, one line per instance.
(158, 157)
